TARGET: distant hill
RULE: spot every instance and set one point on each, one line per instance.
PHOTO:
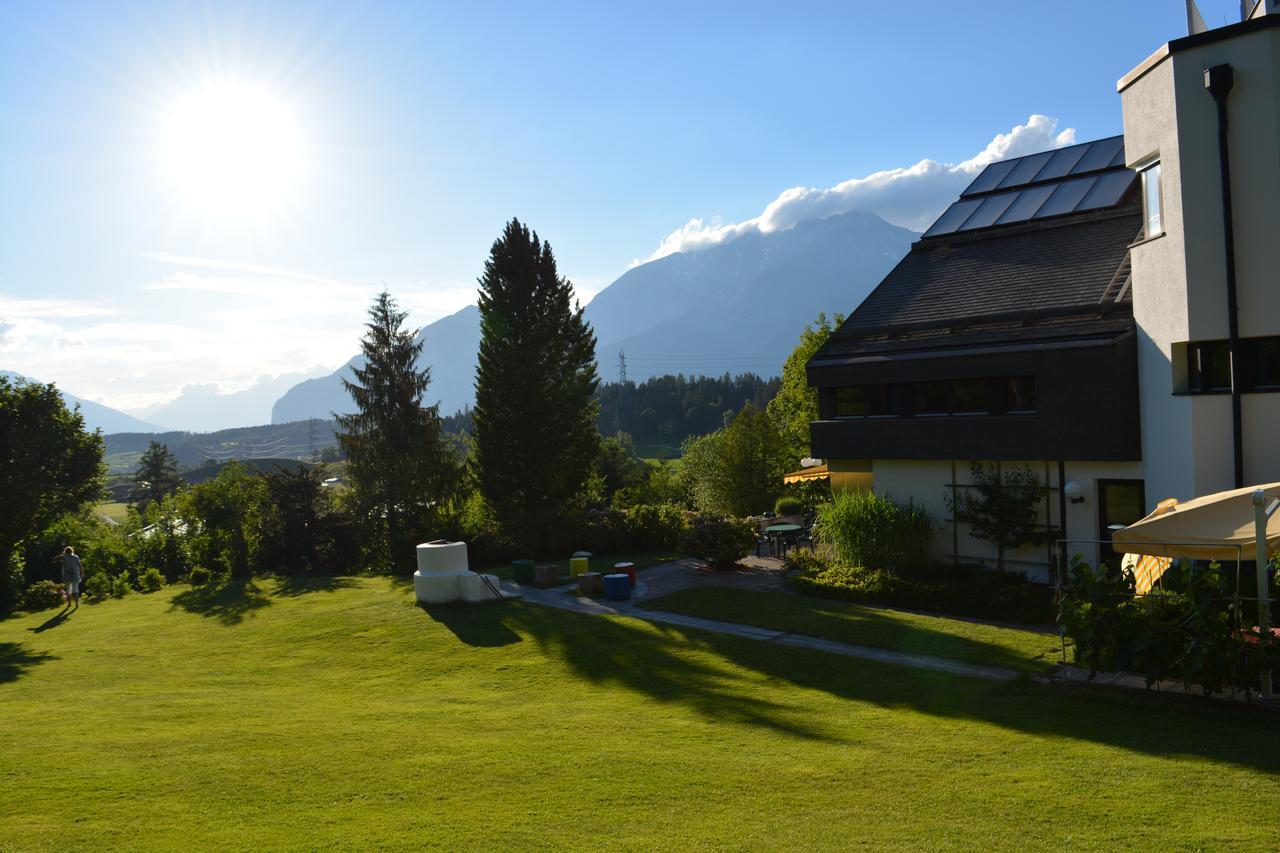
(737, 307)
(96, 415)
(201, 407)
(268, 441)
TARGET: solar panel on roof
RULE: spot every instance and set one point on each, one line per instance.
(1099, 155)
(1026, 204)
(953, 217)
(1025, 171)
(990, 177)
(1118, 160)
(992, 207)
(1061, 162)
(1107, 192)
(1067, 196)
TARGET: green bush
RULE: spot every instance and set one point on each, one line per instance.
(864, 529)
(199, 576)
(97, 585)
(120, 586)
(151, 580)
(788, 505)
(1200, 633)
(718, 540)
(955, 590)
(656, 525)
(41, 596)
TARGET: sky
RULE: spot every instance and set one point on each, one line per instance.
(213, 192)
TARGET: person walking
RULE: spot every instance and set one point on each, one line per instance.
(72, 574)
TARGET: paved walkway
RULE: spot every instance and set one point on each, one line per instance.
(564, 598)
(768, 574)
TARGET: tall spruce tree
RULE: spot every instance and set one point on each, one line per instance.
(535, 432)
(157, 475)
(401, 468)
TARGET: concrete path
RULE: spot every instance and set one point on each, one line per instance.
(564, 598)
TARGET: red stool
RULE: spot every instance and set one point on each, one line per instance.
(628, 569)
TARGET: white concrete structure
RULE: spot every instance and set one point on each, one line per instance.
(444, 575)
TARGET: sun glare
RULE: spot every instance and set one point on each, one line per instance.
(232, 149)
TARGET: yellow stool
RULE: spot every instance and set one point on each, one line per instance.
(578, 566)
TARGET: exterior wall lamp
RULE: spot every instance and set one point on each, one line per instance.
(1074, 493)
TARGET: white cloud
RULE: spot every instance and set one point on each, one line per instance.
(910, 196)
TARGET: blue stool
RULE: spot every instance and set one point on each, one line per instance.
(617, 587)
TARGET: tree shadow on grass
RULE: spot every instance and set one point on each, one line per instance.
(229, 603)
(292, 586)
(16, 660)
(480, 625)
(651, 660)
(648, 660)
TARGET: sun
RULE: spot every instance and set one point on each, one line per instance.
(231, 149)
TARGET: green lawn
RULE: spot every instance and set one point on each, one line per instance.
(337, 714)
(971, 642)
(116, 510)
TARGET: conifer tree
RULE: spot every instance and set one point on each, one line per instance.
(535, 433)
(157, 475)
(399, 464)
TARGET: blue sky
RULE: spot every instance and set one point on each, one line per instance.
(415, 130)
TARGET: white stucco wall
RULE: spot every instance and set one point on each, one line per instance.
(925, 482)
(1179, 290)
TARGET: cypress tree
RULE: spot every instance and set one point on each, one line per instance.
(401, 469)
(535, 433)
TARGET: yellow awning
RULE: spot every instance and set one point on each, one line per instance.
(817, 472)
(1213, 527)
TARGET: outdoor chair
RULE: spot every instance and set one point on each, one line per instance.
(761, 542)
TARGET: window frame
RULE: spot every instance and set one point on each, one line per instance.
(1143, 172)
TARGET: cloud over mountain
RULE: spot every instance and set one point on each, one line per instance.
(910, 196)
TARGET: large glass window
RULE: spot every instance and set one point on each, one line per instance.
(1266, 362)
(1151, 201)
(969, 397)
(1209, 366)
(864, 401)
(931, 398)
(1020, 394)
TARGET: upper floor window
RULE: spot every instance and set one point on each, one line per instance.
(1011, 395)
(864, 401)
(1152, 204)
(1209, 365)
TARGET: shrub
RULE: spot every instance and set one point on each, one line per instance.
(788, 505)
(97, 585)
(957, 590)
(718, 540)
(41, 596)
(656, 525)
(120, 586)
(199, 576)
(864, 529)
(1200, 634)
(151, 580)
(603, 531)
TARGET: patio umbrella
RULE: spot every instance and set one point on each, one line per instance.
(1213, 527)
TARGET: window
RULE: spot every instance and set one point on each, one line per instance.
(1209, 365)
(931, 398)
(969, 397)
(1151, 201)
(1020, 395)
(864, 401)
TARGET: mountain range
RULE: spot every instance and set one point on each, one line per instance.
(202, 407)
(736, 307)
(96, 415)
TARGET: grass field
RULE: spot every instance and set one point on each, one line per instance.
(603, 562)
(334, 713)
(972, 642)
(115, 510)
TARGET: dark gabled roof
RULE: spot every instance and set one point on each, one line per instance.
(1036, 281)
(1045, 276)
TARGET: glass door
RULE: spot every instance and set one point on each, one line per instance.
(1120, 503)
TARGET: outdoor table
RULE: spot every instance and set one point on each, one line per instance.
(779, 532)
